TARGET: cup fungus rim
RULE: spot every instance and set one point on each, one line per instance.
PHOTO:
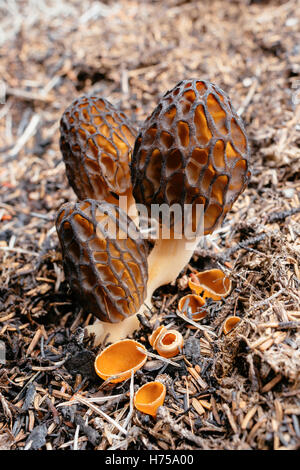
(153, 338)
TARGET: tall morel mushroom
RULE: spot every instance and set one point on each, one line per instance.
(105, 262)
(193, 150)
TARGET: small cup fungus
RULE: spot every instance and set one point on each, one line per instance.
(150, 397)
(118, 360)
(230, 323)
(167, 343)
(194, 305)
(213, 284)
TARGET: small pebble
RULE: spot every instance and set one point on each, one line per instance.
(153, 365)
(288, 193)
(247, 82)
(291, 22)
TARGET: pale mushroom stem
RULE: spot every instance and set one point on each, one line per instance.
(113, 331)
(165, 262)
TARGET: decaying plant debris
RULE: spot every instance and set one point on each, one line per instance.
(239, 391)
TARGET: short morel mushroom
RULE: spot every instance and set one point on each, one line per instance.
(96, 142)
(193, 150)
(105, 262)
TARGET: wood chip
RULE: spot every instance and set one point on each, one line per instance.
(198, 406)
(197, 377)
(230, 418)
(271, 384)
(248, 417)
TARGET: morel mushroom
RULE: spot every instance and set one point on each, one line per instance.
(105, 262)
(193, 149)
(96, 142)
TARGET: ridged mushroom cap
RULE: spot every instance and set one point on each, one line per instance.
(96, 142)
(193, 149)
(104, 258)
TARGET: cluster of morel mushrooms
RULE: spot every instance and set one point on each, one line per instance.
(192, 151)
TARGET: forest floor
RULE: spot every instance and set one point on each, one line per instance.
(239, 391)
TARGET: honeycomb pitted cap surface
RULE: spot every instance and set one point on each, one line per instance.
(193, 149)
(104, 258)
(96, 142)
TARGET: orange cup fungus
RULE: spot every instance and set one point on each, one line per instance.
(230, 323)
(169, 343)
(166, 342)
(118, 360)
(212, 283)
(149, 397)
(195, 303)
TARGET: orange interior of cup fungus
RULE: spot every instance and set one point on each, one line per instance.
(213, 284)
(194, 304)
(169, 343)
(119, 359)
(230, 323)
(149, 397)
